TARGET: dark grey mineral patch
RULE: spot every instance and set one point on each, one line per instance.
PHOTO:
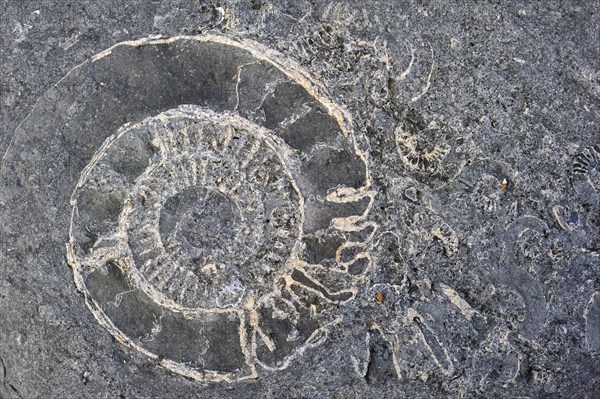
(296, 199)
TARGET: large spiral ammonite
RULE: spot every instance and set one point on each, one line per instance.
(219, 206)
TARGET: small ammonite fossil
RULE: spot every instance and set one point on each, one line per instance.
(434, 152)
(219, 202)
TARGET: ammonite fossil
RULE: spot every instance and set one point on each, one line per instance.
(218, 202)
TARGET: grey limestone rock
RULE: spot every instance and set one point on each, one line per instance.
(299, 199)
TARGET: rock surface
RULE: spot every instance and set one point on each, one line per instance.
(297, 199)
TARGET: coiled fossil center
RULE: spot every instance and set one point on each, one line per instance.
(202, 229)
(204, 222)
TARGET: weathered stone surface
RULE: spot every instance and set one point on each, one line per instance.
(299, 199)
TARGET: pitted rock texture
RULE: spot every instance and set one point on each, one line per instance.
(299, 199)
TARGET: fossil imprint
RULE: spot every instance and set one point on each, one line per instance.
(221, 208)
